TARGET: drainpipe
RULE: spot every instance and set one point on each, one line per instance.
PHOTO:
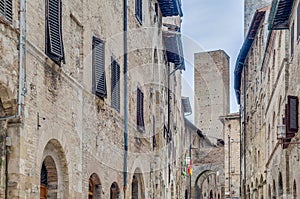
(19, 92)
(240, 150)
(125, 98)
(229, 169)
(245, 119)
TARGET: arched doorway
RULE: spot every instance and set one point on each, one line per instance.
(186, 194)
(137, 185)
(95, 189)
(274, 195)
(280, 186)
(49, 179)
(54, 180)
(114, 191)
(211, 195)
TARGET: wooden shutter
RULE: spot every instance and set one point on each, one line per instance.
(292, 39)
(115, 85)
(154, 133)
(138, 10)
(99, 80)
(55, 48)
(292, 115)
(298, 21)
(140, 111)
(6, 9)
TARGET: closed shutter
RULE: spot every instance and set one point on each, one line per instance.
(99, 81)
(115, 85)
(55, 48)
(140, 111)
(292, 111)
(6, 9)
(138, 10)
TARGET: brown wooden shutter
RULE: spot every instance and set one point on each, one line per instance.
(6, 10)
(115, 85)
(140, 111)
(54, 46)
(99, 80)
(292, 111)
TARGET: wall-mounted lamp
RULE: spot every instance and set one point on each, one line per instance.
(281, 132)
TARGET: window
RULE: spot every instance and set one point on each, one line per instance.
(98, 66)
(6, 9)
(154, 144)
(54, 41)
(115, 85)
(292, 40)
(138, 10)
(140, 111)
(298, 21)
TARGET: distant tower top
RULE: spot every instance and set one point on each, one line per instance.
(250, 6)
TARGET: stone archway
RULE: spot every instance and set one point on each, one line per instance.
(203, 177)
(137, 185)
(95, 188)
(114, 191)
(54, 180)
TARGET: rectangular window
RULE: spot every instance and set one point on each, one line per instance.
(140, 111)
(154, 144)
(6, 10)
(115, 85)
(139, 10)
(98, 66)
(298, 21)
(54, 41)
(292, 39)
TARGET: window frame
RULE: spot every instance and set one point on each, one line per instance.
(140, 111)
(139, 11)
(115, 84)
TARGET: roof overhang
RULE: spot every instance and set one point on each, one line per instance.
(170, 8)
(174, 50)
(280, 14)
(240, 62)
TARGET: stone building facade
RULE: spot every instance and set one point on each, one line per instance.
(267, 87)
(211, 84)
(232, 162)
(62, 99)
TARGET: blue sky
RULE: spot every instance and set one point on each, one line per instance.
(211, 25)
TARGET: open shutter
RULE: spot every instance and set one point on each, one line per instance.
(6, 9)
(115, 85)
(55, 48)
(140, 110)
(138, 10)
(99, 81)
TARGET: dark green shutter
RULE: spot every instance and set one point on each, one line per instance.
(99, 81)
(6, 9)
(138, 10)
(55, 47)
(115, 85)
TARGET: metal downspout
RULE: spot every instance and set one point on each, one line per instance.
(245, 112)
(240, 150)
(125, 98)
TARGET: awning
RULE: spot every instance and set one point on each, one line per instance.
(173, 45)
(258, 16)
(280, 14)
(170, 8)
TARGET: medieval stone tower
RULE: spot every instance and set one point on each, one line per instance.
(250, 6)
(211, 97)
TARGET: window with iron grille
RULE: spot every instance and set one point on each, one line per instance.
(115, 85)
(139, 10)
(140, 111)
(54, 41)
(98, 66)
(6, 10)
